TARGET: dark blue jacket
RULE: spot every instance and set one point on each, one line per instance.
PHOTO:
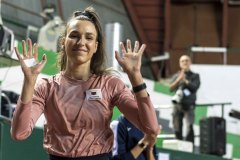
(126, 137)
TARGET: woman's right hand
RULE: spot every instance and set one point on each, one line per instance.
(30, 54)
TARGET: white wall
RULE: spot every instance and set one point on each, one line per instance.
(220, 83)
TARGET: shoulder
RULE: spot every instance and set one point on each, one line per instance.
(47, 81)
(116, 89)
(112, 74)
(113, 80)
(196, 75)
(193, 72)
(113, 77)
(42, 82)
(51, 79)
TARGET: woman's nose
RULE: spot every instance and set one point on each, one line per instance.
(81, 41)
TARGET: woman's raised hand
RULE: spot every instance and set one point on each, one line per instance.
(130, 60)
(31, 67)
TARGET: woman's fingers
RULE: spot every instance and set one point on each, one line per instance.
(137, 50)
(129, 47)
(141, 50)
(29, 47)
(118, 57)
(123, 49)
(136, 47)
(43, 62)
(30, 54)
(19, 57)
(24, 48)
(35, 51)
(18, 54)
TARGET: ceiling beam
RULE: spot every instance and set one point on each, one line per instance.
(141, 36)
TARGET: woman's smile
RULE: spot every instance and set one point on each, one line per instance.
(79, 50)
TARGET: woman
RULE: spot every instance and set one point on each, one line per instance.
(78, 101)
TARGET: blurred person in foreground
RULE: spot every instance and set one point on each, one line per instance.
(130, 143)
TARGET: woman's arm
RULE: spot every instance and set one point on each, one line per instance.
(130, 61)
(30, 70)
(143, 114)
(23, 121)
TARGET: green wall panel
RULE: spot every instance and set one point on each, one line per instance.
(29, 149)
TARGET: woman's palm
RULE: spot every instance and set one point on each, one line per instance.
(130, 60)
(29, 61)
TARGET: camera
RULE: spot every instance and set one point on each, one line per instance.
(178, 96)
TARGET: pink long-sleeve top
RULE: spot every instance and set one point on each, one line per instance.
(78, 114)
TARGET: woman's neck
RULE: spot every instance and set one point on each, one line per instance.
(78, 73)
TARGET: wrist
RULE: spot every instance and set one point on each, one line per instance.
(142, 144)
(150, 149)
(135, 78)
(139, 88)
(30, 81)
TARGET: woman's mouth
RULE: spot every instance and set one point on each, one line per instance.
(79, 50)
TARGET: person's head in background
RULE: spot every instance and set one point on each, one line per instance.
(83, 43)
(185, 62)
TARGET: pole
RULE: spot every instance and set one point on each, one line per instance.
(0, 97)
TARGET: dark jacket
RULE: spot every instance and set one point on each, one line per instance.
(192, 86)
(127, 138)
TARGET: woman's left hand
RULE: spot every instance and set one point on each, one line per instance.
(150, 139)
(130, 60)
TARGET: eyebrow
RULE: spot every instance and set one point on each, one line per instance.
(87, 33)
(90, 33)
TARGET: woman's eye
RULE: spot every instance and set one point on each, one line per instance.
(73, 36)
(89, 38)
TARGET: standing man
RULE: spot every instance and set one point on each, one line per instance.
(185, 84)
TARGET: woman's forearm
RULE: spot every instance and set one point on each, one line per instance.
(136, 79)
(28, 89)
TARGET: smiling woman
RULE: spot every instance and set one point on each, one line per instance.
(81, 43)
(91, 32)
(78, 101)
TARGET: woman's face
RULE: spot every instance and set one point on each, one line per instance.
(80, 42)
